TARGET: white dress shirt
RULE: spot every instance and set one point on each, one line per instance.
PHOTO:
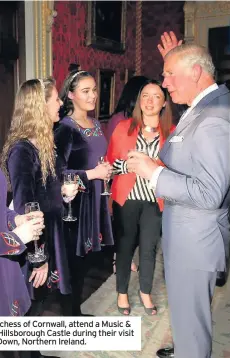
(197, 99)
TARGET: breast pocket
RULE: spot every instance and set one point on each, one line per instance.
(174, 154)
(176, 146)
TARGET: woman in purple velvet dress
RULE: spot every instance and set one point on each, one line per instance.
(80, 143)
(34, 173)
(15, 231)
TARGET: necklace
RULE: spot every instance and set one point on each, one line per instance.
(150, 129)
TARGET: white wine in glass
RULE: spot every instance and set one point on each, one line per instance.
(38, 255)
(106, 182)
(70, 179)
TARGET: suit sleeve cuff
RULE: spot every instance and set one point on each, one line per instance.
(155, 176)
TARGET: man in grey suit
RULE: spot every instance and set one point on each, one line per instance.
(195, 184)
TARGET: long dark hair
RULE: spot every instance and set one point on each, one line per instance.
(165, 122)
(129, 95)
(70, 84)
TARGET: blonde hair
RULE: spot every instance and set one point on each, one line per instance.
(31, 120)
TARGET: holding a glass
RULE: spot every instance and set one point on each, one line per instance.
(102, 160)
(38, 255)
(69, 191)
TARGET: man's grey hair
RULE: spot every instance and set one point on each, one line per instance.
(192, 54)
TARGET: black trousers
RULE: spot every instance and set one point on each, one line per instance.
(136, 220)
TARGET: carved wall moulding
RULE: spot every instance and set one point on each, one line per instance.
(200, 16)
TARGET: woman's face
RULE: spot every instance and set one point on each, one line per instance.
(152, 100)
(53, 105)
(85, 94)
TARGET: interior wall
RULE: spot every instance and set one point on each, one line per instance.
(69, 39)
(69, 44)
(157, 17)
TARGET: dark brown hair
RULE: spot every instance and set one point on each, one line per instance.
(165, 122)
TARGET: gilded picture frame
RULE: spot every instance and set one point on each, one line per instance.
(106, 94)
(106, 29)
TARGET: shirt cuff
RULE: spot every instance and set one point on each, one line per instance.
(155, 176)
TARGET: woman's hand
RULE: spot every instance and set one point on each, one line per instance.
(30, 230)
(21, 219)
(39, 275)
(103, 171)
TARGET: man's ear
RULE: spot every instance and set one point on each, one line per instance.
(70, 95)
(196, 72)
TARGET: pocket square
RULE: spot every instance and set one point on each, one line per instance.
(176, 139)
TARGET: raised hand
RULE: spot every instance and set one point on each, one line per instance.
(168, 42)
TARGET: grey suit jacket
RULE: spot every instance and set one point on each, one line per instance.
(195, 186)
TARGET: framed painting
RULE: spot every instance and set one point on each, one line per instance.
(107, 25)
(106, 92)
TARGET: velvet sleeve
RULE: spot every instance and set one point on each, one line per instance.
(11, 214)
(65, 136)
(10, 244)
(22, 169)
(22, 176)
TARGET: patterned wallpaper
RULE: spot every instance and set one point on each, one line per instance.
(69, 44)
(69, 39)
(158, 16)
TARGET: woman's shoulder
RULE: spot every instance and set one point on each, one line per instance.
(23, 145)
(64, 126)
(66, 122)
(117, 117)
(124, 123)
(22, 149)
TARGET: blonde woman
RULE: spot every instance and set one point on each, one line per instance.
(31, 164)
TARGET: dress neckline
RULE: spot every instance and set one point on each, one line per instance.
(83, 128)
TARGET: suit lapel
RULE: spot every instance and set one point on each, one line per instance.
(193, 115)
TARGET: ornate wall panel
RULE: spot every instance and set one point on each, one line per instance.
(200, 16)
(38, 40)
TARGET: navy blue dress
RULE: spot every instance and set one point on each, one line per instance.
(79, 149)
(14, 296)
(26, 181)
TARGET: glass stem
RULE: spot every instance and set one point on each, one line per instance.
(35, 246)
(106, 185)
(70, 210)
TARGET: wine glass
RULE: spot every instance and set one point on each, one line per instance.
(106, 182)
(38, 255)
(70, 179)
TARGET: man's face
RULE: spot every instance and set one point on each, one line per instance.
(178, 80)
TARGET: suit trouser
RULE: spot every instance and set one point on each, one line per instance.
(134, 220)
(190, 294)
